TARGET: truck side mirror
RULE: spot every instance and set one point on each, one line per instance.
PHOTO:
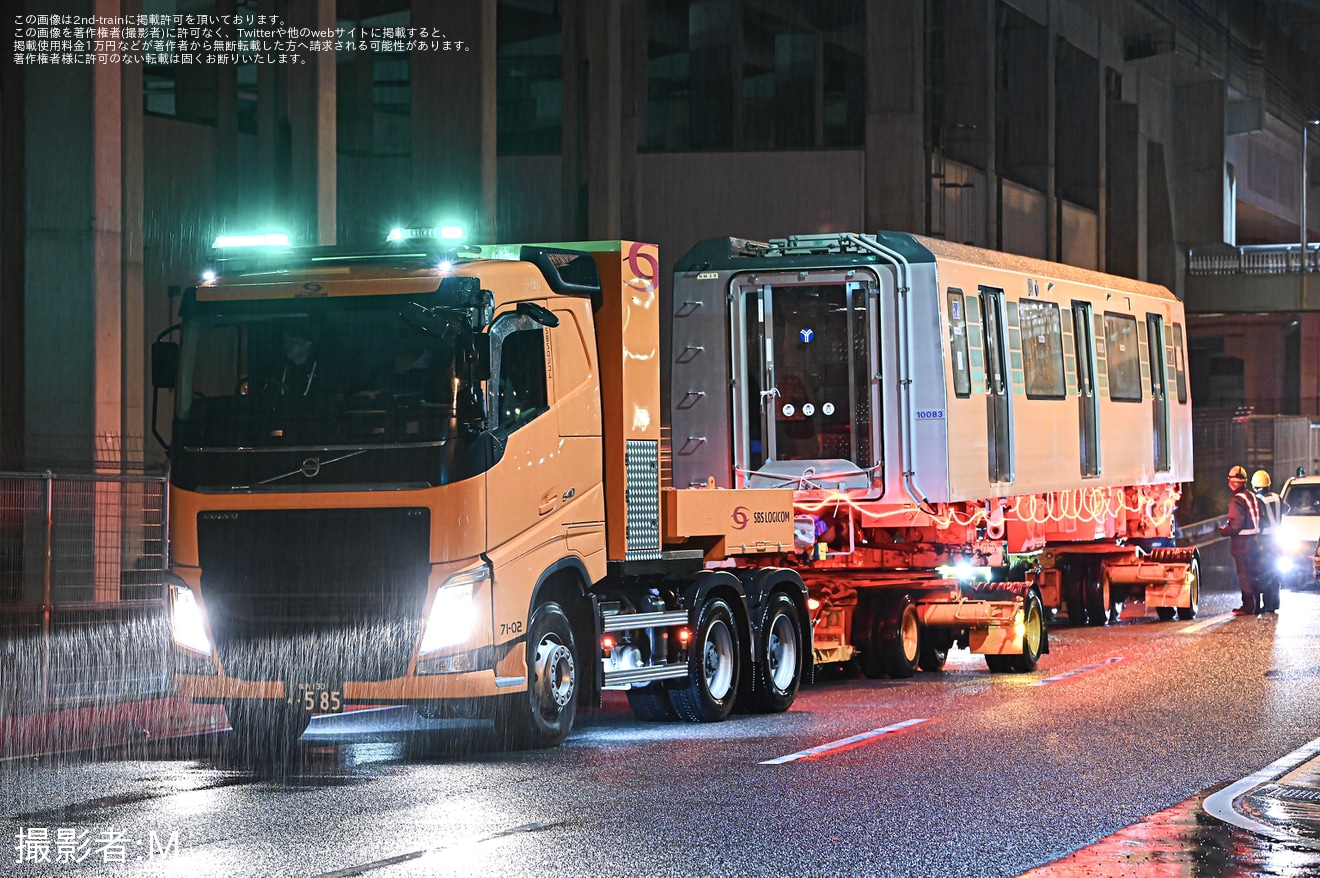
(164, 364)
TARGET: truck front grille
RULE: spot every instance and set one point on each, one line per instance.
(337, 593)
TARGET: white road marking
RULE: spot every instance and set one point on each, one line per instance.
(1204, 624)
(834, 745)
(1222, 805)
(1075, 671)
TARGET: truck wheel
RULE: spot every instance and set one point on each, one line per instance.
(778, 668)
(903, 650)
(713, 667)
(1033, 636)
(651, 703)
(1194, 570)
(543, 715)
(1165, 614)
(265, 733)
(1097, 600)
(934, 651)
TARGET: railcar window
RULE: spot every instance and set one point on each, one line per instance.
(1042, 349)
(1124, 357)
(962, 375)
(1179, 363)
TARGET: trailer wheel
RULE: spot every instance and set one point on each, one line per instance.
(1033, 636)
(651, 703)
(1194, 571)
(1074, 589)
(713, 667)
(543, 715)
(1096, 595)
(903, 650)
(778, 668)
(1165, 614)
(934, 650)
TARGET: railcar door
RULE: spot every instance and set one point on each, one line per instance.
(803, 373)
(997, 387)
(1159, 397)
(1088, 420)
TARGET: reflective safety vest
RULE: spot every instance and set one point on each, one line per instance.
(1251, 526)
(1271, 512)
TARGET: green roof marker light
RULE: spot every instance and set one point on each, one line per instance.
(229, 242)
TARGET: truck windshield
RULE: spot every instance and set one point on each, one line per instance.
(326, 372)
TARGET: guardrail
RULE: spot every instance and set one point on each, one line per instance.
(1255, 259)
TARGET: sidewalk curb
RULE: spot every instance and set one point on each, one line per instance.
(104, 726)
(1225, 804)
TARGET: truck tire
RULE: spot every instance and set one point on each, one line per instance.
(779, 667)
(714, 666)
(903, 648)
(651, 703)
(1033, 637)
(543, 715)
(934, 650)
(1095, 595)
(1189, 613)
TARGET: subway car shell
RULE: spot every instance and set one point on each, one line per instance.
(1006, 396)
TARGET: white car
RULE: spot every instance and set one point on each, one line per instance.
(1298, 535)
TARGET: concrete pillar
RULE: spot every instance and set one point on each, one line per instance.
(73, 206)
(597, 137)
(135, 331)
(1163, 255)
(272, 171)
(897, 167)
(313, 144)
(1309, 365)
(1125, 192)
(966, 131)
(632, 112)
(1199, 140)
(453, 117)
(12, 248)
(1026, 111)
(1078, 136)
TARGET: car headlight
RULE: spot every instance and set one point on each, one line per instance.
(453, 613)
(1290, 544)
(189, 623)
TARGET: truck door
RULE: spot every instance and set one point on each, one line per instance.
(1159, 397)
(1088, 420)
(524, 486)
(803, 367)
(999, 427)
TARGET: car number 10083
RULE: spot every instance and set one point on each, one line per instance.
(320, 698)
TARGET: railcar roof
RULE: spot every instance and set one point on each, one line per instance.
(817, 251)
(1041, 268)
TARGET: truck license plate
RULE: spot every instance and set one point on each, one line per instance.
(317, 697)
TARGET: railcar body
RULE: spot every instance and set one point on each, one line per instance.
(936, 405)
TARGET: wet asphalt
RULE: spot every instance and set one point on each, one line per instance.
(1099, 763)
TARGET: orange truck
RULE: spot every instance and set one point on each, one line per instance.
(433, 476)
(479, 481)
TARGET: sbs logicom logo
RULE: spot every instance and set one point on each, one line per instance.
(741, 516)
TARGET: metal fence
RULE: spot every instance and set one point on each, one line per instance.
(82, 610)
(1253, 259)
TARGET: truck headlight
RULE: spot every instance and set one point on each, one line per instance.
(188, 621)
(453, 612)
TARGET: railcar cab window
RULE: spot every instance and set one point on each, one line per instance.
(962, 375)
(1123, 357)
(1042, 349)
(518, 373)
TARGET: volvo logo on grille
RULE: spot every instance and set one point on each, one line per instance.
(311, 467)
